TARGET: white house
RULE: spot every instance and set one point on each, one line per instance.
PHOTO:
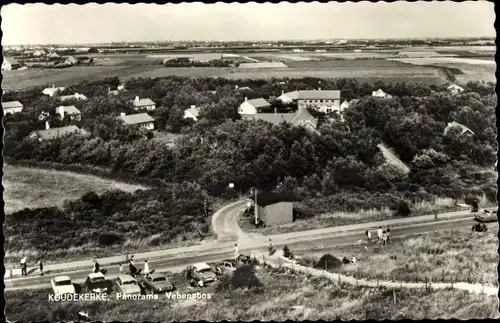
(76, 96)
(289, 97)
(323, 101)
(142, 120)
(455, 89)
(381, 94)
(10, 64)
(140, 104)
(344, 106)
(39, 53)
(253, 106)
(463, 129)
(53, 91)
(71, 111)
(192, 113)
(12, 107)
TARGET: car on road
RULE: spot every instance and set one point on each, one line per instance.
(201, 273)
(96, 283)
(127, 285)
(62, 285)
(486, 218)
(225, 267)
(156, 283)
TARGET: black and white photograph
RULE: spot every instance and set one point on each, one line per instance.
(249, 161)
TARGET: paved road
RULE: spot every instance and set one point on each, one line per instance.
(217, 252)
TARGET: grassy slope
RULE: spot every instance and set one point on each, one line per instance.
(34, 188)
(315, 298)
(462, 255)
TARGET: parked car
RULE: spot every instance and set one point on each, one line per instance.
(127, 285)
(225, 267)
(201, 273)
(156, 283)
(486, 218)
(96, 283)
(62, 285)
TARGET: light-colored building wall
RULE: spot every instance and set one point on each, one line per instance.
(147, 107)
(12, 110)
(148, 125)
(322, 105)
(278, 213)
(247, 108)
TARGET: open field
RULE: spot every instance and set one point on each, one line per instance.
(283, 296)
(354, 64)
(35, 188)
(455, 255)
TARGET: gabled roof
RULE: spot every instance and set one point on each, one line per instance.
(11, 61)
(291, 95)
(72, 59)
(11, 104)
(380, 93)
(317, 95)
(295, 119)
(259, 103)
(59, 132)
(453, 124)
(137, 118)
(142, 102)
(71, 109)
(344, 104)
(268, 198)
(454, 86)
(194, 111)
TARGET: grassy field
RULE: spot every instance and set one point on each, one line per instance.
(344, 218)
(34, 188)
(452, 255)
(359, 63)
(283, 296)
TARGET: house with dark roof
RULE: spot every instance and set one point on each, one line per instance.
(143, 120)
(463, 130)
(10, 64)
(274, 208)
(70, 111)
(324, 101)
(12, 107)
(53, 133)
(192, 113)
(140, 104)
(253, 106)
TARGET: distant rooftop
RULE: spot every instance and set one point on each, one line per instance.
(259, 103)
(320, 94)
(142, 102)
(11, 104)
(137, 118)
(59, 132)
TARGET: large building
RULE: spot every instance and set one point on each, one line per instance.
(12, 107)
(323, 101)
(143, 120)
(274, 208)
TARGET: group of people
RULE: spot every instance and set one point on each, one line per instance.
(383, 236)
(24, 266)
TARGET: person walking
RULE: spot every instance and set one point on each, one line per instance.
(121, 269)
(388, 231)
(368, 235)
(146, 268)
(40, 265)
(384, 238)
(24, 266)
(379, 233)
(236, 251)
(270, 247)
(96, 266)
(131, 267)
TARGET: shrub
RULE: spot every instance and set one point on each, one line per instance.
(403, 209)
(109, 239)
(244, 277)
(328, 261)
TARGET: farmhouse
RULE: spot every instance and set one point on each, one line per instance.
(143, 120)
(39, 53)
(206, 57)
(274, 208)
(455, 89)
(49, 134)
(10, 64)
(71, 60)
(53, 55)
(71, 111)
(300, 118)
(253, 106)
(381, 94)
(192, 113)
(140, 104)
(323, 101)
(289, 97)
(12, 107)
(53, 91)
(463, 129)
(76, 96)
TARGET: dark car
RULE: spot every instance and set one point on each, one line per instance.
(156, 283)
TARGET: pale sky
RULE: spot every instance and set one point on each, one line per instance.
(93, 23)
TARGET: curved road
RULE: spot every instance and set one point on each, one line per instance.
(222, 250)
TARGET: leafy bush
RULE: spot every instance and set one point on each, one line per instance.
(244, 277)
(402, 209)
(109, 239)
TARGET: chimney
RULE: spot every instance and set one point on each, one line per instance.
(47, 126)
(122, 114)
(136, 99)
(246, 99)
(282, 92)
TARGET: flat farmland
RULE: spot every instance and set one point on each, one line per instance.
(349, 63)
(33, 188)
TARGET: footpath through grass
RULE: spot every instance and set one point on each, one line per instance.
(454, 255)
(283, 296)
